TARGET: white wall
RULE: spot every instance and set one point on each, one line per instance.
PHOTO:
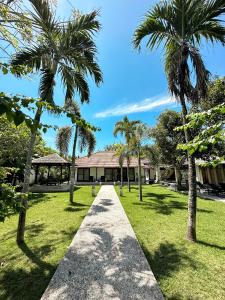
(100, 173)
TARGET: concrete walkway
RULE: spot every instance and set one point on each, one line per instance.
(104, 260)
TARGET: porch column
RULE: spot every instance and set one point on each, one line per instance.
(48, 173)
(36, 173)
(68, 174)
(215, 175)
(61, 174)
(157, 174)
(209, 175)
(96, 174)
(222, 172)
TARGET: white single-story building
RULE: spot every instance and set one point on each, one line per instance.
(104, 166)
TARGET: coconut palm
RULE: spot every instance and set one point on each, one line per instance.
(126, 128)
(66, 50)
(180, 25)
(83, 136)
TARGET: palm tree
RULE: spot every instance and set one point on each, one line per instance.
(126, 128)
(66, 50)
(121, 152)
(180, 25)
(141, 134)
(84, 136)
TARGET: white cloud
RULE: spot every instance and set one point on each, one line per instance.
(141, 106)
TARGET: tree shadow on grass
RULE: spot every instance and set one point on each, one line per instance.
(28, 282)
(73, 209)
(166, 207)
(31, 231)
(161, 207)
(36, 198)
(222, 248)
(159, 197)
(76, 206)
(167, 259)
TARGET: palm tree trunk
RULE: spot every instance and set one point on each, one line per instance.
(178, 177)
(26, 182)
(72, 173)
(128, 174)
(121, 176)
(139, 176)
(192, 193)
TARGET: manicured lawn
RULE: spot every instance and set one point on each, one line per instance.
(184, 270)
(51, 225)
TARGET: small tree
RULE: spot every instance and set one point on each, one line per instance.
(121, 151)
(126, 128)
(152, 153)
(167, 140)
(209, 143)
(141, 134)
(82, 135)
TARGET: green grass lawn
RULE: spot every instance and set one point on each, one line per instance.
(184, 270)
(51, 225)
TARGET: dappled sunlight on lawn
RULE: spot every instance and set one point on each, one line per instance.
(52, 222)
(183, 269)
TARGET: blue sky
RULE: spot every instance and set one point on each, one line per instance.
(134, 83)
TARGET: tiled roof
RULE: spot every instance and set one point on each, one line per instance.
(105, 159)
(50, 159)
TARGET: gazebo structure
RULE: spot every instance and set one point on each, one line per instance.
(52, 160)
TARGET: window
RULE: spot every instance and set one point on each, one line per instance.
(83, 174)
(131, 172)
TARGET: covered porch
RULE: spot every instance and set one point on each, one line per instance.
(50, 170)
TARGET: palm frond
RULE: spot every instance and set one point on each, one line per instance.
(85, 22)
(43, 16)
(72, 107)
(74, 80)
(87, 140)
(30, 57)
(47, 84)
(63, 138)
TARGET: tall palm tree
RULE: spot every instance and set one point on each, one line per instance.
(126, 128)
(66, 50)
(180, 25)
(141, 134)
(84, 136)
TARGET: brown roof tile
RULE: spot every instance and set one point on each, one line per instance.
(104, 159)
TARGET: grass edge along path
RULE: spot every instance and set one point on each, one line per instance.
(183, 269)
(51, 224)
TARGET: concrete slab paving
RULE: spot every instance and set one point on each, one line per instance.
(104, 260)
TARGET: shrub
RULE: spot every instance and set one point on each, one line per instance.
(9, 201)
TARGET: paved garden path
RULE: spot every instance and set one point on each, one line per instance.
(104, 260)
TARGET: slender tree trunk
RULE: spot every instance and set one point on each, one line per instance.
(192, 194)
(128, 174)
(72, 172)
(139, 176)
(26, 182)
(157, 173)
(121, 176)
(178, 177)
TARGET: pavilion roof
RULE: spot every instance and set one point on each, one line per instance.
(51, 159)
